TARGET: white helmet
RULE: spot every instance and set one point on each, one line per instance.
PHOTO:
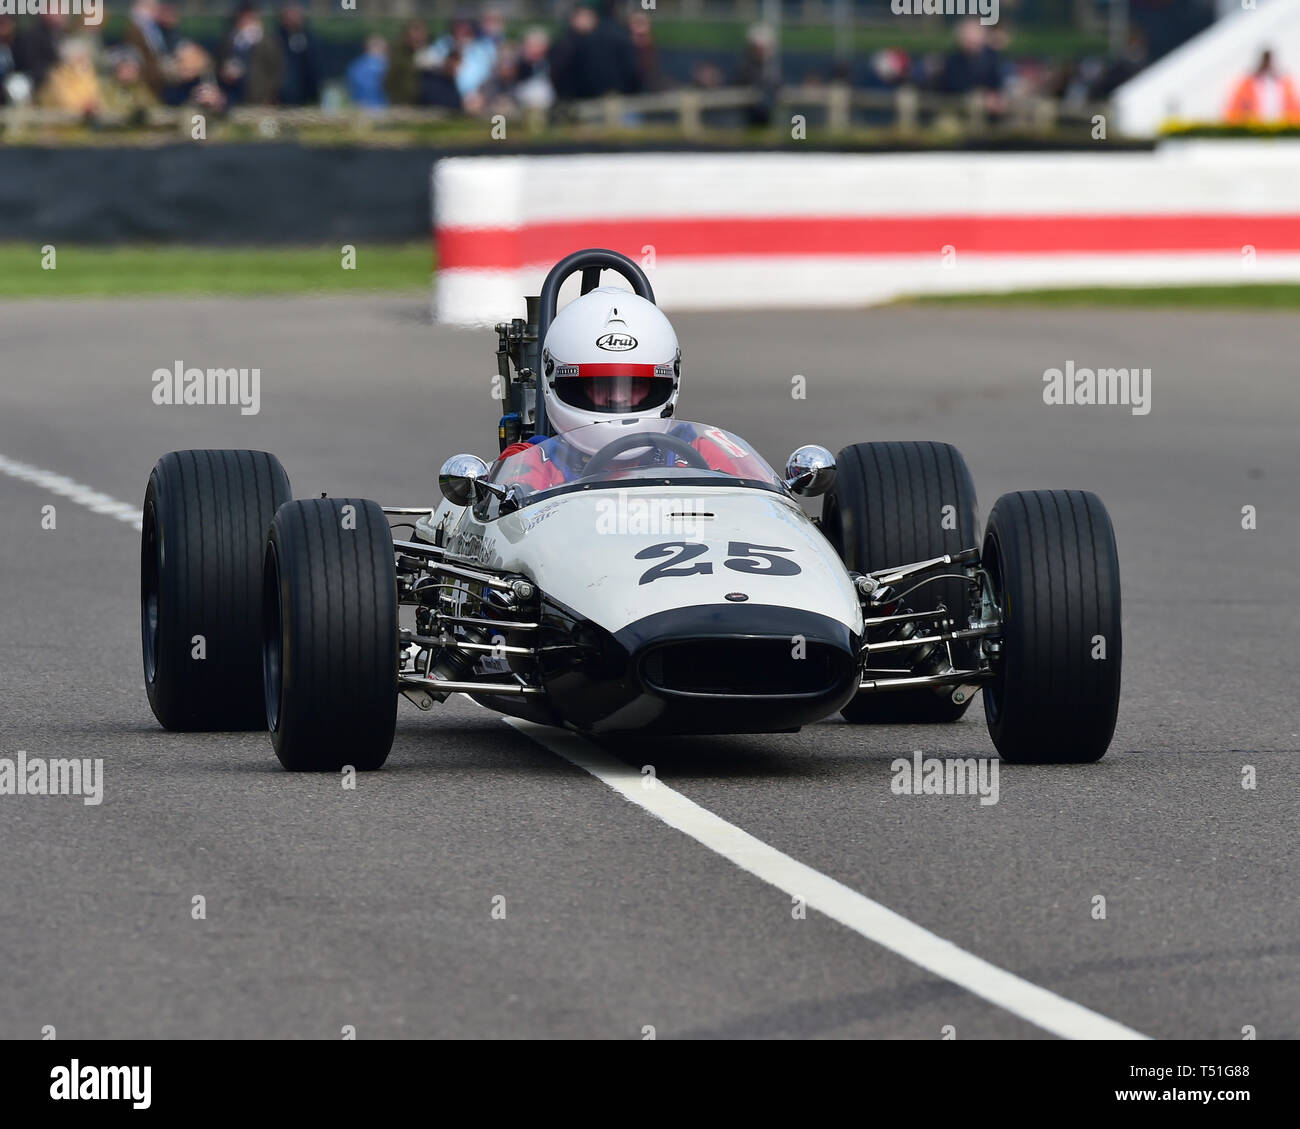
(608, 357)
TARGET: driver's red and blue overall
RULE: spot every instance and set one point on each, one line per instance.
(540, 464)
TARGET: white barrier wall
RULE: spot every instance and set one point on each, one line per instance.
(847, 230)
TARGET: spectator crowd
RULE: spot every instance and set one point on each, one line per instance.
(275, 58)
(474, 66)
(56, 61)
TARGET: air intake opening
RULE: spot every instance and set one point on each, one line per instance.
(726, 668)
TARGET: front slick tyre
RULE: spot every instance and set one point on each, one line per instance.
(330, 635)
(1055, 572)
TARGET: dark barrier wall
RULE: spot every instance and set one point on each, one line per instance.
(196, 193)
(257, 193)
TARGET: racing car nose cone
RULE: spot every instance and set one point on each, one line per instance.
(742, 668)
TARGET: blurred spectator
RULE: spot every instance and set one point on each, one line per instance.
(645, 55)
(366, 74)
(8, 34)
(72, 84)
(759, 71)
(403, 80)
(499, 91)
(438, 83)
(533, 90)
(1266, 96)
(301, 85)
(468, 55)
(194, 79)
(1078, 80)
(144, 35)
(252, 65)
(521, 78)
(492, 27)
(36, 50)
(168, 20)
(974, 67)
(891, 67)
(593, 55)
(127, 92)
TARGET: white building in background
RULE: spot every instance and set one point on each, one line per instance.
(1195, 81)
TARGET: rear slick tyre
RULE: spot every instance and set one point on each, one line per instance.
(894, 504)
(203, 533)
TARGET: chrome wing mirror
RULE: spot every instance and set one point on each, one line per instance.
(463, 482)
(810, 471)
(457, 478)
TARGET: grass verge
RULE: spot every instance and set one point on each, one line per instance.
(1266, 296)
(80, 271)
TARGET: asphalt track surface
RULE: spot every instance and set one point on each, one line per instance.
(373, 907)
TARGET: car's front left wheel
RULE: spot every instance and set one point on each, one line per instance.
(330, 635)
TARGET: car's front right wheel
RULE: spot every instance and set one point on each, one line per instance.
(1055, 571)
(330, 635)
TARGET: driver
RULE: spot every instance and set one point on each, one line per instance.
(610, 359)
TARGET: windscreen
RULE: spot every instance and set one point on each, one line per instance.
(641, 453)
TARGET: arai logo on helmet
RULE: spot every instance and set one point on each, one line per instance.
(616, 342)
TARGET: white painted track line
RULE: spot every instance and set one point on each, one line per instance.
(92, 499)
(870, 919)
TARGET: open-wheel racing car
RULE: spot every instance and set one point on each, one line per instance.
(666, 581)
